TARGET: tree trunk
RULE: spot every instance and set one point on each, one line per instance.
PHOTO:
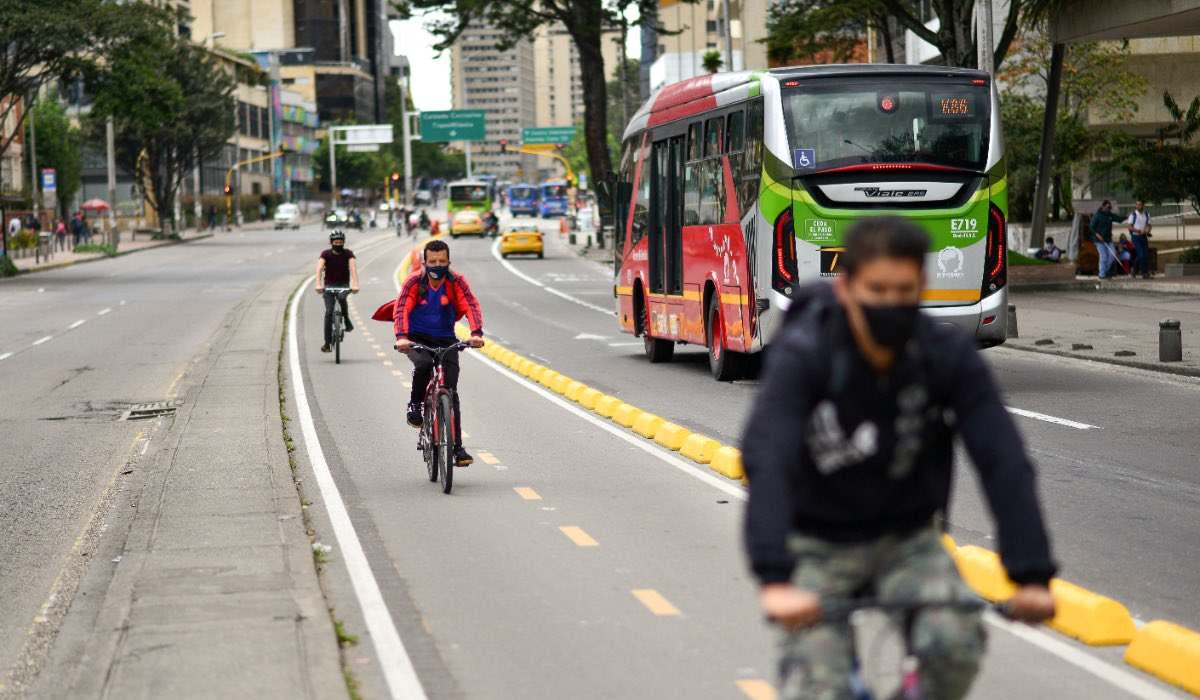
(585, 29)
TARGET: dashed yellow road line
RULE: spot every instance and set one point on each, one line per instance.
(757, 689)
(527, 493)
(655, 602)
(578, 536)
(397, 373)
(381, 354)
(387, 363)
(489, 458)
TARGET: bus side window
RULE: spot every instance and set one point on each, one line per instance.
(751, 170)
(691, 194)
(712, 137)
(712, 187)
(641, 208)
(734, 132)
(695, 142)
(622, 193)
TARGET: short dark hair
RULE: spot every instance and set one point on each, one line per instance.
(434, 246)
(883, 237)
(1050, 239)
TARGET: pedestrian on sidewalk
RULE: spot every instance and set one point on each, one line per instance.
(212, 216)
(60, 235)
(76, 228)
(1139, 230)
(1101, 226)
(1049, 251)
(14, 226)
(1125, 254)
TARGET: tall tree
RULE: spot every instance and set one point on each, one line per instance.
(583, 20)
(46, 40)
(60, 146)
(818, 31)
(170, 100)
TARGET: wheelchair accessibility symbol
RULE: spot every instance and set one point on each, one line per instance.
(804, 158)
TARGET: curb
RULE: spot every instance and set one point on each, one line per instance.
(1094, 285)
(101, 256)
(1168, 651)
(1136, 364)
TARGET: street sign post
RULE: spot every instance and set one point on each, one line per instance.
(453, 125)
(362, 138)
(547, 134)
(49, 180)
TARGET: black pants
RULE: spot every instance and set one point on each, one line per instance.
(330, 297)
(423, 371)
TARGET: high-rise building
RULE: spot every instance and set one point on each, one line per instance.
(559, 84)
(689, 30)
(502, 84)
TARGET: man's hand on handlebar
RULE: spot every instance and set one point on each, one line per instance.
(789, 606)
(475, 341)
(354, 290)
(320, 291)
(403, 345)
(1031, 603)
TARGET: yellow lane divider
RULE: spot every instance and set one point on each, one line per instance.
(578, 536)
(757, 689)
(655, 602)
(1169, 651)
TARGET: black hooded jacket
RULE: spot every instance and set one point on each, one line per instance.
(835, 450)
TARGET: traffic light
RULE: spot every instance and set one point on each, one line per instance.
(395, 177)
(504, 145)
(228, 190)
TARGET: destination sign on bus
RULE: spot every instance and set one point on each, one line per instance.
(953, 104)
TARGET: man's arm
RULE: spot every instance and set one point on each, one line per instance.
(468, 305)
(1004, 468)
(320, 283)
(353, 274)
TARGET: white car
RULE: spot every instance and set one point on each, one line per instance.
(287, 215)
(422, 197)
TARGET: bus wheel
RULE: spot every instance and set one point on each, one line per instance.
(722, 363)
(657, 349)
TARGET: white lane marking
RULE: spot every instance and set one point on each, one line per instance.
(509, 266)
(5, 356)
(1103, 670)
(122, 303)
(77, 324)
(638, 343)
(39, 341)
(103, 311)
(397, 667)
(1051, 419)
(145, 446)
(590, 336)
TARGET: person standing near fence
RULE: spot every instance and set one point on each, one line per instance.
(1101, 226)
(1139, 230)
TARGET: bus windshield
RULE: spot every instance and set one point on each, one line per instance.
(469, 193)
(836, 123)
(522, 192)
(554, 190)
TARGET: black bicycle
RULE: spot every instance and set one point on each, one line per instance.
(904, 612)
(339, 322)
(439, 419)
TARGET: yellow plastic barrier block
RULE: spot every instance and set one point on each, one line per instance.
(1169, 651)
(536, 371)
(574, 389)
(982, 570)
(949, 544)
(699, 448)
(671, 436)
(560, 384)
(607, 405)
(647, 425)
(523, 366)
(588, 397)
(511, 359)
(727, 461)
(1089, 617)
(626, 415)
(547, 378)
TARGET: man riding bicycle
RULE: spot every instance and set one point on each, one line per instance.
(336, 268)
(431, 300)
(849, 452)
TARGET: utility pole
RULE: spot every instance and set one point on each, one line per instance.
(728, 36)
(468, 153)
(983, 19)
(111, 158)
(405, 133)
(332, 169)
(36, 198)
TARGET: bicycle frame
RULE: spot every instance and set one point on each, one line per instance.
(432, 440)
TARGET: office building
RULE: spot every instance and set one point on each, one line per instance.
(559, 88)
(692, 29)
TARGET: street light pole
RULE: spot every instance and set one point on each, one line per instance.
(405, 134)
(111, 161)
(728, 36)
(332, 169)
(36, 199)
(983, 18)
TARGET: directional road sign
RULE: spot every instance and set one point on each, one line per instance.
(547, 134)
(453, 125)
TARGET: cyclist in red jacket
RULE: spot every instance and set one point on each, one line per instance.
(432, 299)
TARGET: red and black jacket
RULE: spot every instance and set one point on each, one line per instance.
(458, 292)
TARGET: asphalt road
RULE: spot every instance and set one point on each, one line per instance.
(572, 562)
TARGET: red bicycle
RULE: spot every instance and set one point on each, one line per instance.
(440, 421)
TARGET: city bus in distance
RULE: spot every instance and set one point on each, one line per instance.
(469, 194)
(735, 187)
(553, 198)
(523, 199)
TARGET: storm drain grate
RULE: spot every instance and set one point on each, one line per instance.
(142, 411)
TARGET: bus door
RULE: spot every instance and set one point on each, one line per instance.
(665, 247)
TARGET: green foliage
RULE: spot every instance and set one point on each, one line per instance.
(428, 159)
(7, 267)
(1170, 169)
(1191, 256)
(106, 249)
(60, 146)
(1015, 259)
(354, 170)
(712, 61)
(170, 102)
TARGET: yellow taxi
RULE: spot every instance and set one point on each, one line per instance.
(466, 221)
(521, 239)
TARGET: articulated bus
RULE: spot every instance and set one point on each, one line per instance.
(469, 194)
(523, 199)
(735, 187)
(553, 201)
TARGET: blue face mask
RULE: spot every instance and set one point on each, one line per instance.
(437, 272)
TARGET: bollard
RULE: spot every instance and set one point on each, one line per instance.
(571, 238)
(1012, 321)
(1170, 341)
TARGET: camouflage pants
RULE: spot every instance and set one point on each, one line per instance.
(816, 663)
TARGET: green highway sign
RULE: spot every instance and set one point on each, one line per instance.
(547, 134)
(453, 125)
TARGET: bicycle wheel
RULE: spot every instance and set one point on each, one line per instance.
(445, 441)
(337, 337)
(428, 446)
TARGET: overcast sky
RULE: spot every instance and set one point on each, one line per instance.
(431, 74)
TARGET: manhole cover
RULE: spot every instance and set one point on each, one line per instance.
(142, 411)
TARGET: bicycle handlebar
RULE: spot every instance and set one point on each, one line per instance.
(439, 352)
(840, 610)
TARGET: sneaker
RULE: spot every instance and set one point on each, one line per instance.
(463, 458)
(349, 326)
(326, 348)
(415, 419)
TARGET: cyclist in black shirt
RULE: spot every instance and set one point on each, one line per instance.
(849, 454)
(336, 268)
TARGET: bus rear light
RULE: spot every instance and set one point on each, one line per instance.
(989, 320)
(783, 273)
(995, 264)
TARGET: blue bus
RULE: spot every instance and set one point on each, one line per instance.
(523, 199)
(553, 198)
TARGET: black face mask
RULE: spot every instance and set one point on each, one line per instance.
(892, 326)
(337, 247)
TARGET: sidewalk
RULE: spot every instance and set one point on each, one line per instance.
(1114, 322)
(214, 592)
